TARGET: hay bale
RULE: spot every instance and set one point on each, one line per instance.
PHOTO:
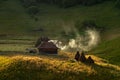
(77, 56)
(90, 60)
(82, 57)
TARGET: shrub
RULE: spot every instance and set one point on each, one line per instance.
(118, 4)
(28, 3)
(61, 3)
(67, 3)
(88, 24)
(33, 10)
(91, 2)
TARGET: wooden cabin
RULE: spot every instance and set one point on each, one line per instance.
(48, 47)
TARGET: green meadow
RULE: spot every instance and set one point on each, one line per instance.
(14, 18)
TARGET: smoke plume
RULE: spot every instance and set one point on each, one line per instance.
(81, 42)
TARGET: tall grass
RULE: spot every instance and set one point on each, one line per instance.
(41, 68)
(109, 50)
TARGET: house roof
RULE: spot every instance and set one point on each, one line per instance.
(47, 45)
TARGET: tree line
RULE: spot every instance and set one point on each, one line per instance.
(62, 3)
(32, 5)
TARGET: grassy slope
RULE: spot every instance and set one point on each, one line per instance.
(109, 50)
(14, 19)
(51, 68)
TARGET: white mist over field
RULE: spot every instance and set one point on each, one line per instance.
(86, 42)
(81, 42)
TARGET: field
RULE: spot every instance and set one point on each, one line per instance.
(35, 67)
(16, 63)
(20, 30)
(51, 17)
(109, 50)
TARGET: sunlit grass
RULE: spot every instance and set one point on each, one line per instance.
(109, 50)
(4, 61)
(30, 67)
(16, 64)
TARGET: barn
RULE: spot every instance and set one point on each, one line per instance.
(48, 47)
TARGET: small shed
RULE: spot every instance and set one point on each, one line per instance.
(48, 47)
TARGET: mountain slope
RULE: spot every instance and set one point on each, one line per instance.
(109, 50)
(14, 18)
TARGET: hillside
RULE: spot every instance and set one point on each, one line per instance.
(109, 50)
(15, 20)
(20, 29)
(51, 68)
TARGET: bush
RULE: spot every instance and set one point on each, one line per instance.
(88, 24)
(33, 10)
(61, 3)
(67, 3)
(28, 3)
(91, 2)
(118, 4)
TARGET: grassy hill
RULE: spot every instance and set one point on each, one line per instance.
(42, 67)
(14, 18)
(19, 30)
(109, 50)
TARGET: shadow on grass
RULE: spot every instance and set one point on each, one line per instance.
(25, 70)
(31, 70)
(104, 72)
(23, 53)
(11, 53)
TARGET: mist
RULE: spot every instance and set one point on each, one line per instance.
(85, 42)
